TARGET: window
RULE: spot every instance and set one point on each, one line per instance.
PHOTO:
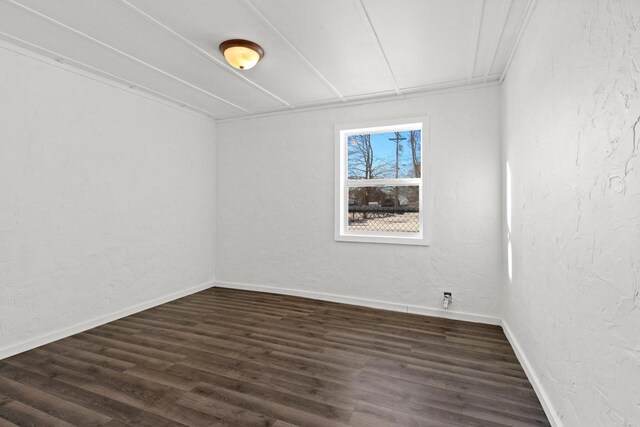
(381, 182)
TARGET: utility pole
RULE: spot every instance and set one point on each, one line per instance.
(397, 139)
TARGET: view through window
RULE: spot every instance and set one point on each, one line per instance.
(381, 182)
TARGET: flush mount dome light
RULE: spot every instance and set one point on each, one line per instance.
(241, 54)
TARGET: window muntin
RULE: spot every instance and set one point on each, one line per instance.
(381, 183)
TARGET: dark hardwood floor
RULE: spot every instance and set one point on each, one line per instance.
(227, 357)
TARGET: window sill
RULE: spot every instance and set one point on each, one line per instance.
(391, 240)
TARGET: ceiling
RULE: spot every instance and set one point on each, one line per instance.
(317, 52)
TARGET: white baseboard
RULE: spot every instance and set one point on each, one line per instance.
(426, 311)
(75, 329)
(533, 378)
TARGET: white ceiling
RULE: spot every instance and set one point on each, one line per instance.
(317, 52)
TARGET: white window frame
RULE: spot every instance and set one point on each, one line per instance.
(342, 183)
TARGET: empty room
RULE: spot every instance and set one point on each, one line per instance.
(320, 213)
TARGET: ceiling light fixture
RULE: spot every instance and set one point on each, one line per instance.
(241, 54)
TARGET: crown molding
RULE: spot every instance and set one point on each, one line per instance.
(94, 40)
(516, 44)
(390, 96)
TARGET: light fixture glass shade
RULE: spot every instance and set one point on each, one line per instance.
(241, 54)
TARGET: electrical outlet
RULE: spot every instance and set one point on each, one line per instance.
(448, 300)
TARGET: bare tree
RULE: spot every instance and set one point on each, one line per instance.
(414, 143)
(362, 162)
(360, 156)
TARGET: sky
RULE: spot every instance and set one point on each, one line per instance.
(384, 150)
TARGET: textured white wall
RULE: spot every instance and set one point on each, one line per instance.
(572, 139)
(276, 206)
(106, 199)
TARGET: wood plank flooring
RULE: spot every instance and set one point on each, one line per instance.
(228, 357)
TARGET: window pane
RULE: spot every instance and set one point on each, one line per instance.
(391, 209)
(384, 155)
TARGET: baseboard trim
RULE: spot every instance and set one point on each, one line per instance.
(75, 329)
(425, 311)
(533, 378)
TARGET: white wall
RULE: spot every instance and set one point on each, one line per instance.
(571, 101)
(276, 206)
(106, 200)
